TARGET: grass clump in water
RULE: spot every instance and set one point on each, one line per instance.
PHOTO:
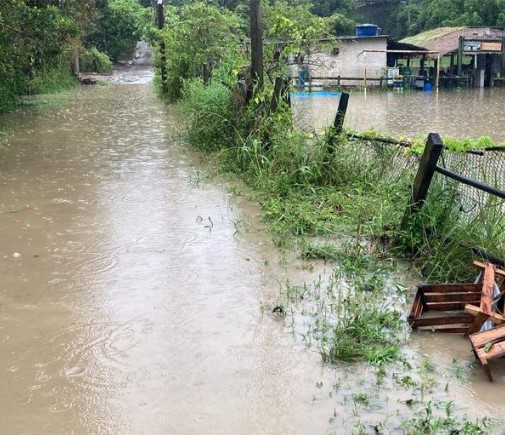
(431, 422)
(349, 318)
(364, 331)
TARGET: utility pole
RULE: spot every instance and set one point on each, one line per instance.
(256, 44)
(163, 60)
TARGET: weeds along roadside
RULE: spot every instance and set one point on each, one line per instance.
(341, 202)
(308, 188)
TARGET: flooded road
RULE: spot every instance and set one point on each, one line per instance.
(455, 113)
(128, 302)
(135, 298)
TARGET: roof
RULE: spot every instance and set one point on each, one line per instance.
(446, 39)
(396, 45)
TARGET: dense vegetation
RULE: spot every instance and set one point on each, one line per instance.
(417, 16)
(400, 18)
(38, 39)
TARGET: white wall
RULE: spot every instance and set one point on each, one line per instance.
(350, 61)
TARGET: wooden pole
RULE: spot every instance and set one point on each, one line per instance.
(365, 71)
(502, 69)
(437, 72)
(341, 111)
(163, 59)
(256, 43)
(424, 175)
(274, 103)
(460, 56)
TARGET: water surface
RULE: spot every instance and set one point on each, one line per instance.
(455, 113)
(135, 298)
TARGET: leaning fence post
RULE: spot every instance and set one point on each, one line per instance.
(341, 111)
(339, 120)
(427, 165)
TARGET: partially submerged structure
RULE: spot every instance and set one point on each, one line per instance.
(477, 54)
(347, 64)
(447, 56)
(365, 59)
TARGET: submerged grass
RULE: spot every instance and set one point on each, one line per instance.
(55, 99)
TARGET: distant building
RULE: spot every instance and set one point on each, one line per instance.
(349, 64)
(484, 45)
(360, 60)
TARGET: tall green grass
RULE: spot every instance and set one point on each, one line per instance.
(53, 79)
(354, 192)
(308, 187)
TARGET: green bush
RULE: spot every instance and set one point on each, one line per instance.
(93, 60)
(197, 34)
(53, 78)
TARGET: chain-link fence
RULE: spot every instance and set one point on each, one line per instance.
(486, 167)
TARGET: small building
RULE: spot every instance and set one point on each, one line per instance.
(348, 63)
(360, 60)
(477, 54)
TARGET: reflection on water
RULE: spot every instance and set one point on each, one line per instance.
(455, 113)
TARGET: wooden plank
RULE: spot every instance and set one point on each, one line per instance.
(446, 320)
(453, 297)
(486, 301)
(477, 323)
(451, 288)
(422, 298)
(495, 351)
(482, 266)
(447, 306)
(494, 317)
(417, 307)
(455, 330)
(487, 370)
(481, 338)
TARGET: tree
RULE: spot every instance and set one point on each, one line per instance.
(198, 37)
(117, 28)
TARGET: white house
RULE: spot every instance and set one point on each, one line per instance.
(352, 61)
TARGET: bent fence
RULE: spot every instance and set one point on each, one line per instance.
(488, 168)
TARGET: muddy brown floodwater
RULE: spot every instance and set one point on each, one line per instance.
(456, 113)
(135, 298)
(128, 302)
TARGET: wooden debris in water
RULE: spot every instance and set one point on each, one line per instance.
(441, 307)
(464, 308)
(487, 345)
